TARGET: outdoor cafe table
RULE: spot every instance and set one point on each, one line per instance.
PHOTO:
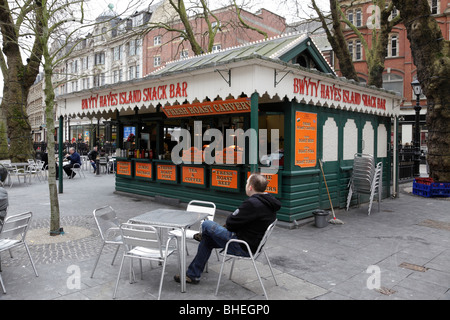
(174, 218)
(20, 164)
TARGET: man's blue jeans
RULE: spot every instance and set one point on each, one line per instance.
(213, 236)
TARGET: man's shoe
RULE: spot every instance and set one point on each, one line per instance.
(197, 236)
(177, 278)
(73, 175)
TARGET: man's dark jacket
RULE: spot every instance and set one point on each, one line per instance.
(74, 158)
(251, 219)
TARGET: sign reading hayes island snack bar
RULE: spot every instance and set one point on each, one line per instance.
(166, 172)
(124, 168)
(193, 175)
(222, 178)
(143, 169)
(305, 139)
(208, 108)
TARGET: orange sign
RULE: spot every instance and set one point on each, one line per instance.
(208, 108)
(272, 179)
(124, 168)
(193, 175)
(305, 139)
(143, 170)
(224, 178)
(166, 172)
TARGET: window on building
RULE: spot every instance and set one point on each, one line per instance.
(117, 53)
(184, 54)
(392, 50)
(116, 76)
(358, 18)
(434, 6)
(84, 63)
(157, 40)
(99, 58)
(137, 71)
(131, 73)
(350, 48)
(99, 80)
(74, 86)
(103, 33)
(355, 49)
(134, 47)
(137, 20)
(393, 82)
(350, 16)
(156, 61)
(85, 83)
(214, 24)
(358, 55)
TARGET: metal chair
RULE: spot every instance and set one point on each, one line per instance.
(252, 257)
(103, 162)
(366, 179)
(77, 168)
(144, 243)
(13, 171)
(197, 206)
(111, 165)
(109, 228)
(13, 234)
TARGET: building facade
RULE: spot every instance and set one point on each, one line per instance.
(36, 110)
(400, 70)
(109, 54)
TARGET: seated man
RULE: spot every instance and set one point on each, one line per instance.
(92, 157)
(74, 157)
(249, 223)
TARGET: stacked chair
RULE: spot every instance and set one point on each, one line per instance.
(366, 179)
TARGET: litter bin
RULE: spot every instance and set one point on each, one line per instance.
(320, 217)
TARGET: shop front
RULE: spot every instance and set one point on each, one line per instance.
(196, 128)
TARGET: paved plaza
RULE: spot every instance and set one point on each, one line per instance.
(401, 252)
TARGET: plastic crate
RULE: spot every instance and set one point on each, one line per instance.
(423, 190)
(440, 189)
(427, 181)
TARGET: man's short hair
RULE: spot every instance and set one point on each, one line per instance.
(72, 148)
(258, 182)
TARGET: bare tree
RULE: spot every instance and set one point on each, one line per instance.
(379, 26)
(182, 19)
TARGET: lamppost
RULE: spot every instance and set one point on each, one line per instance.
(417, 91)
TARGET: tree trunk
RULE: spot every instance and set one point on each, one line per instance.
(14, 107)
(50, 123)
(431, 54)
(18, 80)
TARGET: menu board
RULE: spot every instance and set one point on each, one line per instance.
(273, 182)
(166, 172)
(193, 176)
(223, 178)
(124, 168)
(305, 139)
(143, 169)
